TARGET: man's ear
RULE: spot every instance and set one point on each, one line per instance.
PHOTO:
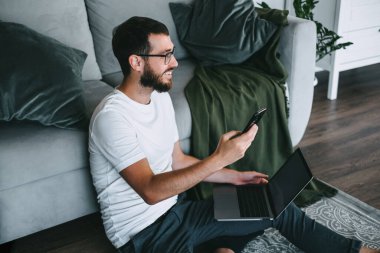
(135, 62)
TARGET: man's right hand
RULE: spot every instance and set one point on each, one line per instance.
(230, 150)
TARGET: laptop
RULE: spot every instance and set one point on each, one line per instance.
(258, 202)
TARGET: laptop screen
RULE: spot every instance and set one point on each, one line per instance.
(289, 181)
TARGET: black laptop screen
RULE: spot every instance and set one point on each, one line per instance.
(285, 185)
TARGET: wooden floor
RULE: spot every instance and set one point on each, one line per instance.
(341, 145)
(342, 140)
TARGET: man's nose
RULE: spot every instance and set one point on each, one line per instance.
(173, 62)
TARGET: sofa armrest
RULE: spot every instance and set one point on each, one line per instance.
(297, 49)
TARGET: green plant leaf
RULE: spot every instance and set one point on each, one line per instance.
(264, 5)
(326, 39)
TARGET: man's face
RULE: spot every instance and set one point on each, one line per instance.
(150, 79)
(157, 74)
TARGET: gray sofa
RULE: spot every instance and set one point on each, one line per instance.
(44, 170)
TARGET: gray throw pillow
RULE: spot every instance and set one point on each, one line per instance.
(40, 79)
(221, 32)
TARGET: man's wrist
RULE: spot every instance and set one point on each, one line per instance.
(216, 161)
(233, 176)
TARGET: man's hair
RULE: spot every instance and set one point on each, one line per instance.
(131, 37)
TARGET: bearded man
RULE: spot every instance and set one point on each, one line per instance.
(139, 170)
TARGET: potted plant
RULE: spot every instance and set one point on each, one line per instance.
(326, 39)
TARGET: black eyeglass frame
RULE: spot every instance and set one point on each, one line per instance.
(167, 56)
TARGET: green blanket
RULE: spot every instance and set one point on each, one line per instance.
(223, 98)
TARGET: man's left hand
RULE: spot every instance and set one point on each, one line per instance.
(251, 177)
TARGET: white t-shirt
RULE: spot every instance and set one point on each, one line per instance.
(121, 133)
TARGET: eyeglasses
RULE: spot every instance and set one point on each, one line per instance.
(168, 56)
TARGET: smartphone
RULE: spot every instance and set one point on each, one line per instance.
(254, 120)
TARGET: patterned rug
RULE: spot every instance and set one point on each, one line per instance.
(342, 213)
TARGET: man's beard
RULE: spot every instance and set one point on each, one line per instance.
(151, 80)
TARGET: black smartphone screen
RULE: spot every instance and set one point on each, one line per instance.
(254, 120)
(256, 117)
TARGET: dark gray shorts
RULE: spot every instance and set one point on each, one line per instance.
(190, 225)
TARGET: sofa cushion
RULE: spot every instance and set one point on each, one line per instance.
(45, 203)
(40, 78)
(94, 92)
(105, 15)
(232, 34)
(63, 20)
(31, 151)
(181, 76)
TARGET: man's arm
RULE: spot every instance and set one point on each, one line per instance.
(154, 188)
(225, 175)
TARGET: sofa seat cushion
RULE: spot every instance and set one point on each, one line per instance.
(42, 204)
(181, 76)
(30, 151)
(65, 21)
(105, 15)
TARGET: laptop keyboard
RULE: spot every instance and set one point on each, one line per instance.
(251, 202)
